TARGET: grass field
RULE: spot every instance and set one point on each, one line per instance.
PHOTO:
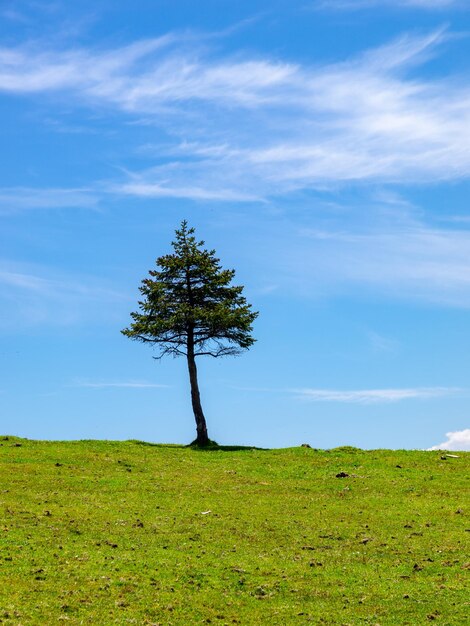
(98, 532)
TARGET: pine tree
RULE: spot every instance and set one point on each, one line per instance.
(190, 308)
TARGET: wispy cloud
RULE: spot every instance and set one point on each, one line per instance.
(28, 69)
(246, 128)
(123, 385)
(13, 199)
(456, 440)
(373, 396)
(403, 258)
(379, 343)
(319, 128)
(361, 4)
(143, 76)
(32, 295)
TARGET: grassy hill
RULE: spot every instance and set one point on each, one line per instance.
(99, 532)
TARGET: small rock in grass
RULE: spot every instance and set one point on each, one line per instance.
(342, 475)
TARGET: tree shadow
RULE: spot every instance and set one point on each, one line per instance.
(138, 442)
(213, 446)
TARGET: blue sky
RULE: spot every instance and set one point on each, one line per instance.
(321, 147)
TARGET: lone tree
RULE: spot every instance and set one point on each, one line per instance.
(190, 308)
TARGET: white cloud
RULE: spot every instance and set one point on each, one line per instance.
(247, 128)
(456, 440)
(319, 128)
(373, 396)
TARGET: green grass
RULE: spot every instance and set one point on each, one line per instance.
(98, 532)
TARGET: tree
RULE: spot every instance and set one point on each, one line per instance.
(190, 308)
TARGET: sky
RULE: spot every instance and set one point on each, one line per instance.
(322, 148)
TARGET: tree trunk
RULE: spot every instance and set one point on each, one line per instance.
(202, 439)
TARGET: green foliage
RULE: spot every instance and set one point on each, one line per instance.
(105, 533)
(190, 303)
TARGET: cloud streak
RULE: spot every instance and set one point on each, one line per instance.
(15, 199)
(363, 396)
(429, 5)
(32, 295)
(120, 385)
(373, 396)
(160, 190)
